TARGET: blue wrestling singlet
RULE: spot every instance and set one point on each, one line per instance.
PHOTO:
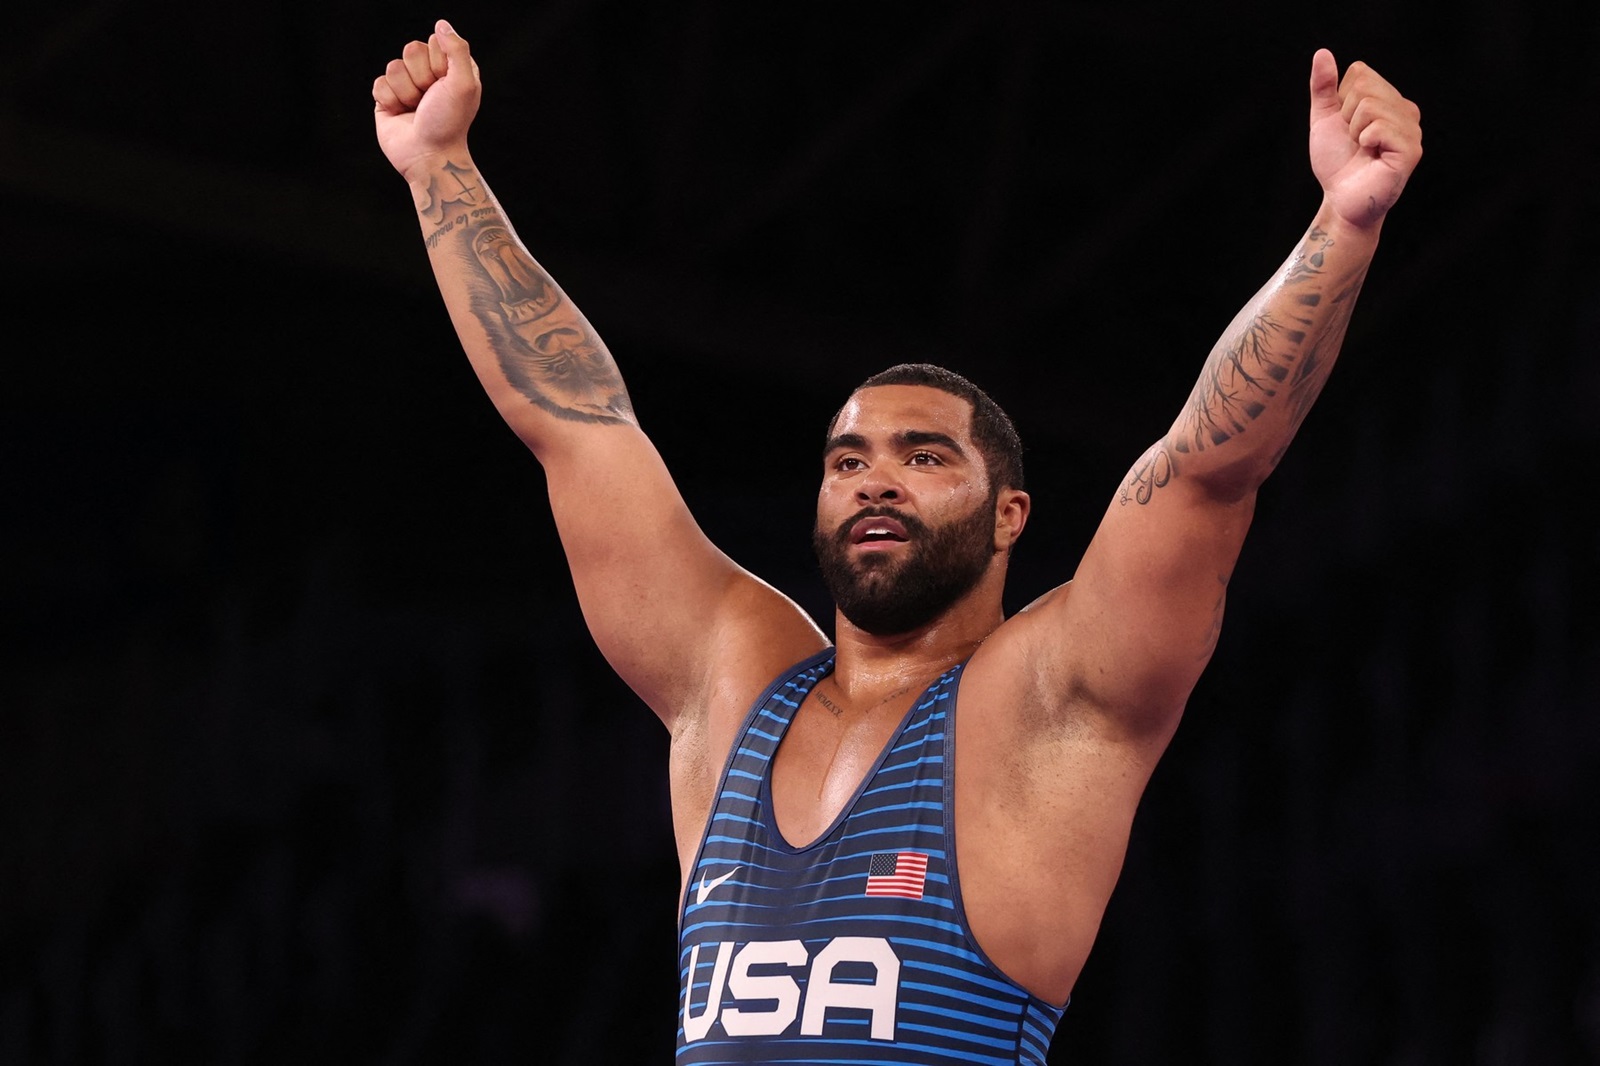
(854, 948)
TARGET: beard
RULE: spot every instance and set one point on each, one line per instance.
(885, 596)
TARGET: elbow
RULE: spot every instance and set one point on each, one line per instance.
(1232, 482)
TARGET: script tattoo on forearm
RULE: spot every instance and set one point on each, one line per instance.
(546, 348)
(1278, 359)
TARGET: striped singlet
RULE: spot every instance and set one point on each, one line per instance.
(854, 948)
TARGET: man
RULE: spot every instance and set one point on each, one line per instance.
(868, 875)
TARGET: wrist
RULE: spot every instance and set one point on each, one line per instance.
(1342, 230)
(424, 169)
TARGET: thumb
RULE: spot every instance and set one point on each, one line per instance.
(456, 50)
(1324, 85)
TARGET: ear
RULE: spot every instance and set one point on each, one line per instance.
(1010, 515)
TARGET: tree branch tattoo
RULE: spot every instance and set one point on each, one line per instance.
(546, 348)
(1278, 359)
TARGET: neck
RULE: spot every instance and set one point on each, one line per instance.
(866, 662)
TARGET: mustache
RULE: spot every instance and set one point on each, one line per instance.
(914, 526)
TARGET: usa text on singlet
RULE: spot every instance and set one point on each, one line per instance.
(853, 948)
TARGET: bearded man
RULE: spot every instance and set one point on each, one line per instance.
(897, 845)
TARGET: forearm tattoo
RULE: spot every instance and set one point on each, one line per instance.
(545, 347)
(1280, 359)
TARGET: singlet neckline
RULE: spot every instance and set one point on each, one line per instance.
(769, 807)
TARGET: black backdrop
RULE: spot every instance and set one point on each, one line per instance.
(306, 757)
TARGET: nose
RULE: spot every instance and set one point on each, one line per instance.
(880, 485)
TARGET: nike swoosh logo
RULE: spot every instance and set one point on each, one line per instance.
(703, 889)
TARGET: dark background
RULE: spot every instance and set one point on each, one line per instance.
(305, 756)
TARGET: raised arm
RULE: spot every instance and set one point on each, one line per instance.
(1144, 609)
(662, 602)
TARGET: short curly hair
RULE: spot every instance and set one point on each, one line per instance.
(992, 429)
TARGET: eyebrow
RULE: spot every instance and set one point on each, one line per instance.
(909, 438)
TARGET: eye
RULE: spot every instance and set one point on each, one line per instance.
(848, 462)
(925, 459)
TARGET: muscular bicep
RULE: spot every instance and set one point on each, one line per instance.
(1137, 626)
(663, 603)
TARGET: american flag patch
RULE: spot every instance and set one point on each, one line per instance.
(897, 873)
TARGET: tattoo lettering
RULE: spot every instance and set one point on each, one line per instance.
(1310, 265)
(1153, 470)
(838, 711)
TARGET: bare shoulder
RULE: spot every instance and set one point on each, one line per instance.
(757, 637)
(762, 632)
(1034, 743)
(1029, 714)
(1048, 671)
(1032, 666)
(758, 634)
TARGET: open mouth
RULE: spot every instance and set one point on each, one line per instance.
(878, 530)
